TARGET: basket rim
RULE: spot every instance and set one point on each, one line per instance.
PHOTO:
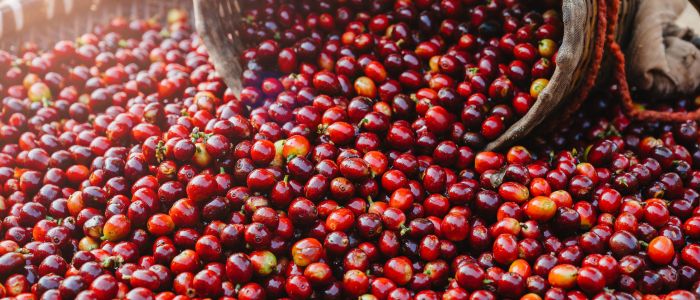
(569, 58)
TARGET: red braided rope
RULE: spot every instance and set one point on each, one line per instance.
(620, 75)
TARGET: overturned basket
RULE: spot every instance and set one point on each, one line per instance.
(45, 22)
(578, 60)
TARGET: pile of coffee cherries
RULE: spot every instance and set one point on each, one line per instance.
(349, 166)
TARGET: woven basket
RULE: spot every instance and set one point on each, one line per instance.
(44, 22)
(217, 22)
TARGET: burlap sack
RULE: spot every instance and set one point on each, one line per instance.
(661, 57)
